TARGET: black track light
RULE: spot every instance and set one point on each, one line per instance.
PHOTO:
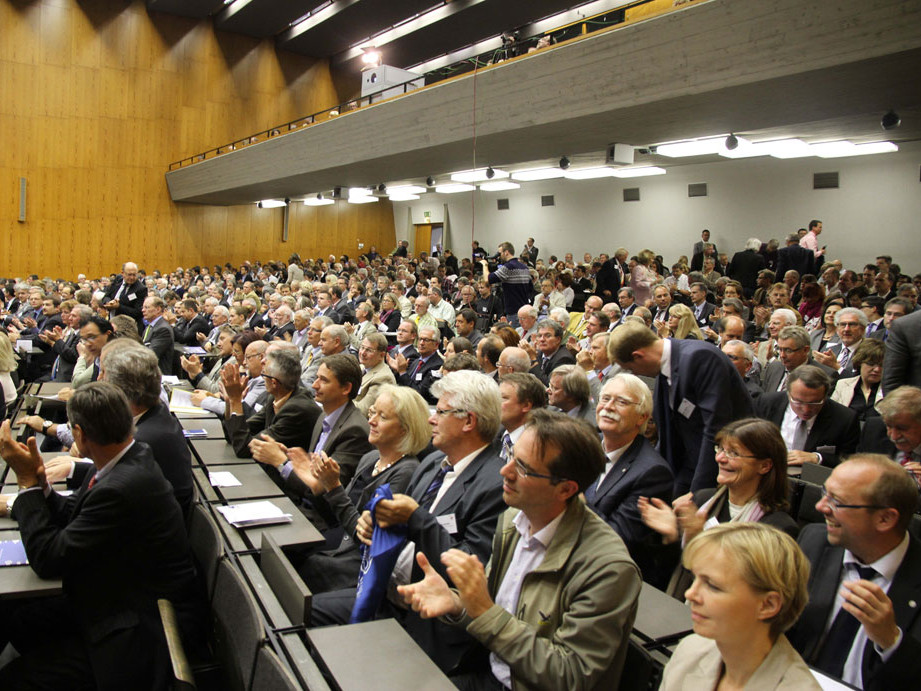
(732, 142)
(430, 181)
(890, 120)
(564, 163)
(490, 173)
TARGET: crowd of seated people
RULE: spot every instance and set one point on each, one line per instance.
(525, 414)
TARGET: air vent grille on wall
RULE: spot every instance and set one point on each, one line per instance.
(697, 189)
(825, 181)
(502, 204)
(631, 194)
(547, 200)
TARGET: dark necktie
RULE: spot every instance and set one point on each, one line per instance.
(506, 452)
(429, 497)
(841, 634)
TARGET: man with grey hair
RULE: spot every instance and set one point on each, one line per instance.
(743, 357)
(794, 349)
(219, 317)
(527, 320)
(814, 428)
(513, 359)
(745, 265)
(612, 309)
(289, 414)
(633, 470)
(282, 324)
(568, 392)
(896, 432)
(550, 351)
(453, 501)
(64, 342)
(333, 339)
(442, 310)
(851, 325)
(422, 373)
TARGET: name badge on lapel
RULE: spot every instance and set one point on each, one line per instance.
(448, 522)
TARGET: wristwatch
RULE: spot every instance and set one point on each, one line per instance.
(46, 425)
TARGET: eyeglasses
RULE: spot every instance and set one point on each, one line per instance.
(525, 471)
(442, 412)
(806, 404)
(617, 400)
(269, 376)
(729, 454)
(427, 340)
(790, 351)
(252, 355)
(834, 505)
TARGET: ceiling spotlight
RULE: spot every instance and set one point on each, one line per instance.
(564, 163)
(371, 57)
(382, 188)
(430, 181)
(490, 173)
(890, 120)
(732, 142)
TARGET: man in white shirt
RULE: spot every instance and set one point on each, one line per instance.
(863, 623)
(571, 621)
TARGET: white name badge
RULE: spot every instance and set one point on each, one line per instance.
(419, 376)
(133, 296)
(448, 522)
(686, 408)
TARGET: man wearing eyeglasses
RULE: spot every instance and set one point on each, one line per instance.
(863, 623)
(558, 597)
(421, 374)
(453, 501)
(850, 324)
(794, 347)
(814, 428)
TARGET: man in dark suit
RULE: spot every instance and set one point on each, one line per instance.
(850, 324)
(190, 323)
(119, 544)
(290, 422)
(421, 374)
(814, 428)
(157, 334)
(794, 258)
(65, 347)
(608, 280)
(699, 305)
(895, 309)
(896, 432)
(568, 392)
(863, 556)
(698, 391)
(126, 294)
(342, 431)
(634, 469)
(341, 306)
(795, 349)
(745, 265)
(532, 252)
(550, 351)
(453, 501)
(903, 353)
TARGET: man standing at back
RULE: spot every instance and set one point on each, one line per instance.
(515, 279)
(126, 294)
(698, 391)
(119, 544)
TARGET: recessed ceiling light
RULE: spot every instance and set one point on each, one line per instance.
(270, 203)
(454, 188)
(846, 148)
(538, 174)
(697, 147)
(590, 173)
(499, 186)
(403, 197)
(640, 172)
(319, 200)
(406, 189)
(366, 199)
(478, 175)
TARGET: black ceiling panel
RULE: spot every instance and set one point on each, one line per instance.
(264, 18)
(351, 22)
(477, 21)
(186, 8)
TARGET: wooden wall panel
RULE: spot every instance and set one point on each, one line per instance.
(97, 98)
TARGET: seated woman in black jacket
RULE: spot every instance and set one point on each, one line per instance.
(399, 430)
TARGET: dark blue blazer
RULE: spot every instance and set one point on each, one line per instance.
(903, 669)
(706, 393)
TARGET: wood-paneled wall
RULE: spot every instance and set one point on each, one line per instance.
(98, 97)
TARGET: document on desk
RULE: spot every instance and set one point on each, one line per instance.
(223, 478)
(254, 513)
(180, 401)
(13, 553)
(194, 350)
(24, 345)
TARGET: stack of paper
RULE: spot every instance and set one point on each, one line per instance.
(223, 478)
(181, 402)
(254, 513)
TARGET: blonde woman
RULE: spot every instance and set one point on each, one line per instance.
(680, 324)
(8, 363)
(750, 586)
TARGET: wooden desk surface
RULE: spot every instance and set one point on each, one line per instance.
(660, 615)
(212, 426)
(389, 661)
(299, 532)
(256, 483)
(217, 452)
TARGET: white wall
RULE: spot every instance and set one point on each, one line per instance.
(876, 210)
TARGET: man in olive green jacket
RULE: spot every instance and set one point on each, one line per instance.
(556, 605)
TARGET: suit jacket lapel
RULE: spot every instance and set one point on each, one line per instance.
(620, 468)
(456, 491)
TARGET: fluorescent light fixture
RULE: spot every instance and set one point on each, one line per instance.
(640, 172)
(789, 148)
(589, 173)
(454, 188)
(697, 147)
(478, 175)
(359, 192)
(403, 197)
(371, 57)
(365, 199)
(538, 174)
(499, 186)
(846, 148)
(406, 189)
(271, 203)
(318, 201)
